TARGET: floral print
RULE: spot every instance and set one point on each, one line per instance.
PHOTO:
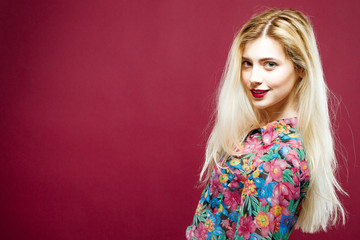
(259, 192)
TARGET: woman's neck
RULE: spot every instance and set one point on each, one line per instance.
(287, 108)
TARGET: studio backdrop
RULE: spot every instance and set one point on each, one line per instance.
(106, 106)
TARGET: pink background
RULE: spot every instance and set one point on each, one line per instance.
(105, 105)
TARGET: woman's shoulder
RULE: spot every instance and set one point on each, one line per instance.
(272, 137)
(283, 140)
(282, 131)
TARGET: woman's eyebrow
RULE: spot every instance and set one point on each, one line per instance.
(262, 59)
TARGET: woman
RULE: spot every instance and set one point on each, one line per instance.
(270, 158)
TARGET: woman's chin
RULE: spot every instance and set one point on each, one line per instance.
(259, 106)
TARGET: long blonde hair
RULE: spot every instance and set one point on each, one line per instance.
(236, 115)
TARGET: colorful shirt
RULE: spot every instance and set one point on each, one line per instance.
(259, 192)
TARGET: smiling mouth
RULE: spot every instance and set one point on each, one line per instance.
(258, 93)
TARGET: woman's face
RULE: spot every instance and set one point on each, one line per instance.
(269, 77)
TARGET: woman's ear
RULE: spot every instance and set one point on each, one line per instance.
(301, 72)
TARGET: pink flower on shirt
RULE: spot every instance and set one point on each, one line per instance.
(275, 169)
(251, 143)
(246, 227)
(225, 223)
(201, 232)
(291, 121)
(231, 233)
(269, 135)
(265, 222)
(280, 205)
(287, 190)
(190, 233)
(293, 157)
(232, 198)
(295, 143)
(305, 170)
(261, 150)
(215, 185)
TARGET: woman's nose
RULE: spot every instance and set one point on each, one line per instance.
(256, 77)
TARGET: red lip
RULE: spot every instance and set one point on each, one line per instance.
(258, 93)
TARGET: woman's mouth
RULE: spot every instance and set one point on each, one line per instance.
(258, 93)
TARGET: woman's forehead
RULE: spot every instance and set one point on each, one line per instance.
(264, 48)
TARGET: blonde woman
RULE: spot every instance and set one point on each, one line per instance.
(270, 157)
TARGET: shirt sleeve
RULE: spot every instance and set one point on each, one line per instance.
(273, 194)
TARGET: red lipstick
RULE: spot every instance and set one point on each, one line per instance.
(258, 93)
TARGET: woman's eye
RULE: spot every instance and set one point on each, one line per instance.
(246, 64)
(270, 64)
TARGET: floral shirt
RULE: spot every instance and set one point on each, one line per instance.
(259, 192)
